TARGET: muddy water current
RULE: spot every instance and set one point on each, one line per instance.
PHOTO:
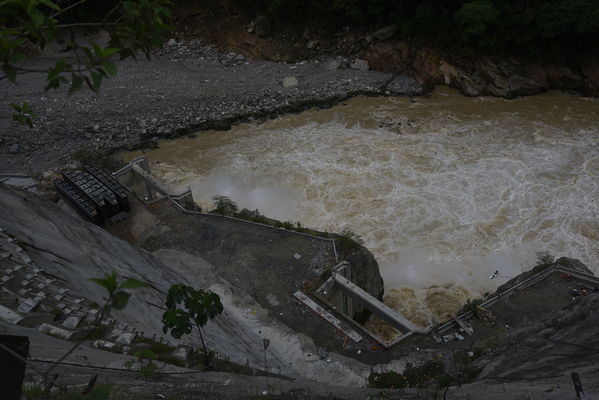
(444, 189)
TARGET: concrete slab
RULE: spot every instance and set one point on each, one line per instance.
(9, 315)
(126, 338)
(56, 332)
(71, 322)
(327, 316)
(27, 305)
(105, 345)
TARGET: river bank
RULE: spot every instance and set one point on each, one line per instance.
(473, 71)
(186, 88)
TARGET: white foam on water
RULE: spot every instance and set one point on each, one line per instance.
(444, 191)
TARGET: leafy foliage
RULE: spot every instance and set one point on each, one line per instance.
(538, 26)
(100, 392)
(146, 359)
(432, 374)
(134, 26)
(186, 305)
(117, 298)
(349, 240)
(224, 205)
(23, 114)
(545, 259)
(252, 215)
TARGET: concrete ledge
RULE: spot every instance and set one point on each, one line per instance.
(391, 316)
(56, 332)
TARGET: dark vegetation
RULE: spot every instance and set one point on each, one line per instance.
(98, 159)
(459, 369)
(510, 26)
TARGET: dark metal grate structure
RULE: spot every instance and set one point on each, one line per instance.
(112, 184)
(95, 194)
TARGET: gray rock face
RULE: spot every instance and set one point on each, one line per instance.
(85, 251)
(360, 64)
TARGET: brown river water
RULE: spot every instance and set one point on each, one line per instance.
(443, 189)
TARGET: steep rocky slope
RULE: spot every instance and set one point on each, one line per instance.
(74, 251)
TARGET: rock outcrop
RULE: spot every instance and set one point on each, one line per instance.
(485, 75)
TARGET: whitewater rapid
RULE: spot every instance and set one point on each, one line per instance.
(443, 189)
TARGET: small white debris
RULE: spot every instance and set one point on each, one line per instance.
(297, 256)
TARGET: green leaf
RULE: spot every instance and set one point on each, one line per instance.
(109, 67)
(23, 114)
(73, 396)
(97, 49)
(120, 299)
(50, 4)
(10, 71)
(100, 392)
(76, 82)
(132, 284)
(109, 282)
(96, 80)
(108, 51)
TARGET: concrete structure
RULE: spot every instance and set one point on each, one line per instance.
(137, 178)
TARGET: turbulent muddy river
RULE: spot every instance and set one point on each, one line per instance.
(444, 190)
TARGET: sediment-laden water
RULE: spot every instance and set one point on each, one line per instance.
(443, 189)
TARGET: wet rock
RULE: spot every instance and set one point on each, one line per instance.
(360, 64)
(290, 81)
(312, 44)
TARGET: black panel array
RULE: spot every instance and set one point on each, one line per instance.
(79, 200)
(112, 184)
(94, 193)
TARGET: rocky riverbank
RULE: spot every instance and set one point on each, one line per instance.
(186, 88)
(473, 73)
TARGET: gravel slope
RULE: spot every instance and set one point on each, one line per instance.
(186, 88)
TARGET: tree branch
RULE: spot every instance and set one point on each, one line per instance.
(82, 24)
(67, 8)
